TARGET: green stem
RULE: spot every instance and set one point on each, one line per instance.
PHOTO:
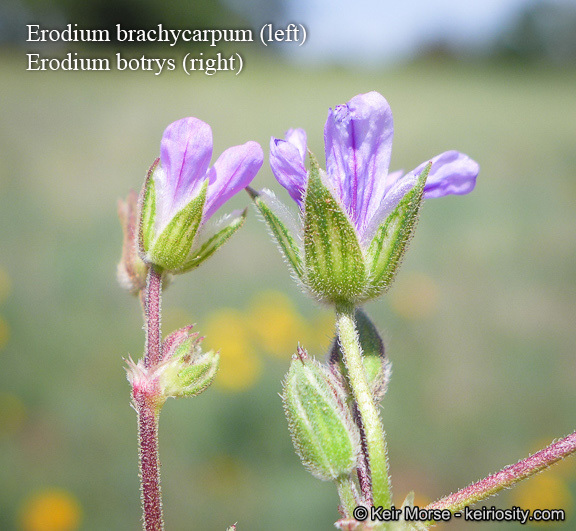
(375, 441)
(347, 493)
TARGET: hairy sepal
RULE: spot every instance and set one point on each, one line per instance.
(205, 249)
(391, 240)
(335, 269)
(147, 208)
(172, 247)
(323, 432)
(265, 202)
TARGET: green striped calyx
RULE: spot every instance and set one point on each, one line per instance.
(326, 253)
(321, 425)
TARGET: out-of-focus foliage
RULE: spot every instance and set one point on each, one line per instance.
(544, 31)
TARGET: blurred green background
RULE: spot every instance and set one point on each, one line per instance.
(480, 325)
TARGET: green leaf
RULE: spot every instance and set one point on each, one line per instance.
(392, 237)
(210, 246)
(172, 247)
(280, 232)
(334, 262)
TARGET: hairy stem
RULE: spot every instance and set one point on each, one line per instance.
(373, 430)
(348, 495)
(509, 476)
(153, 352)
(363, 467)
(147, 405)
(150, 491)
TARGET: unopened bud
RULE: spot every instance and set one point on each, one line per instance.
(131, 272)
(321, 425)
(185, 369)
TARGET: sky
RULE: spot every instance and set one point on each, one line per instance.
(367, 31)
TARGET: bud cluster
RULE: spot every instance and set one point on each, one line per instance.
(183, 371)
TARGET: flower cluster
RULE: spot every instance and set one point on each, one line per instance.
(356, 220)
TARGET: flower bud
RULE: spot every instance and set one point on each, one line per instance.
(185, 369)
(131, 272)
(321, 425)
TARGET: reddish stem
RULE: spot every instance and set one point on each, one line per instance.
(153, 353)
(150, 491)
(363, 467)
(508, 476)
(147, 405)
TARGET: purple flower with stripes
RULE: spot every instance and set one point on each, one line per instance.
(358, 139)
(182, 193)
(357, 218)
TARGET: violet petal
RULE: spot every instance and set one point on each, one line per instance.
(452, 172)
(185, 153)
(287, 160)
(358, 138)
(232, 172)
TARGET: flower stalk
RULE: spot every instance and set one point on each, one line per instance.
(148, 403)
(375, 441)
(153, 352)
(509, 476)
(150, 491)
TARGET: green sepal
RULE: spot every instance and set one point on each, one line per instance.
(392, 237)
(334, 262)
(172, 247)
(185, 370)
(210, 246)
(148, 210)
(280, 232)
(323, 432)
(377, 366)
(182, 379)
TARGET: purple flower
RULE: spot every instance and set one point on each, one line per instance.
(356, 218)
(358, 139)
(182, 193)
(185, 153)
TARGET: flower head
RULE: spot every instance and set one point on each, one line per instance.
(358, 139)
(357, 217)
(182, 193)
